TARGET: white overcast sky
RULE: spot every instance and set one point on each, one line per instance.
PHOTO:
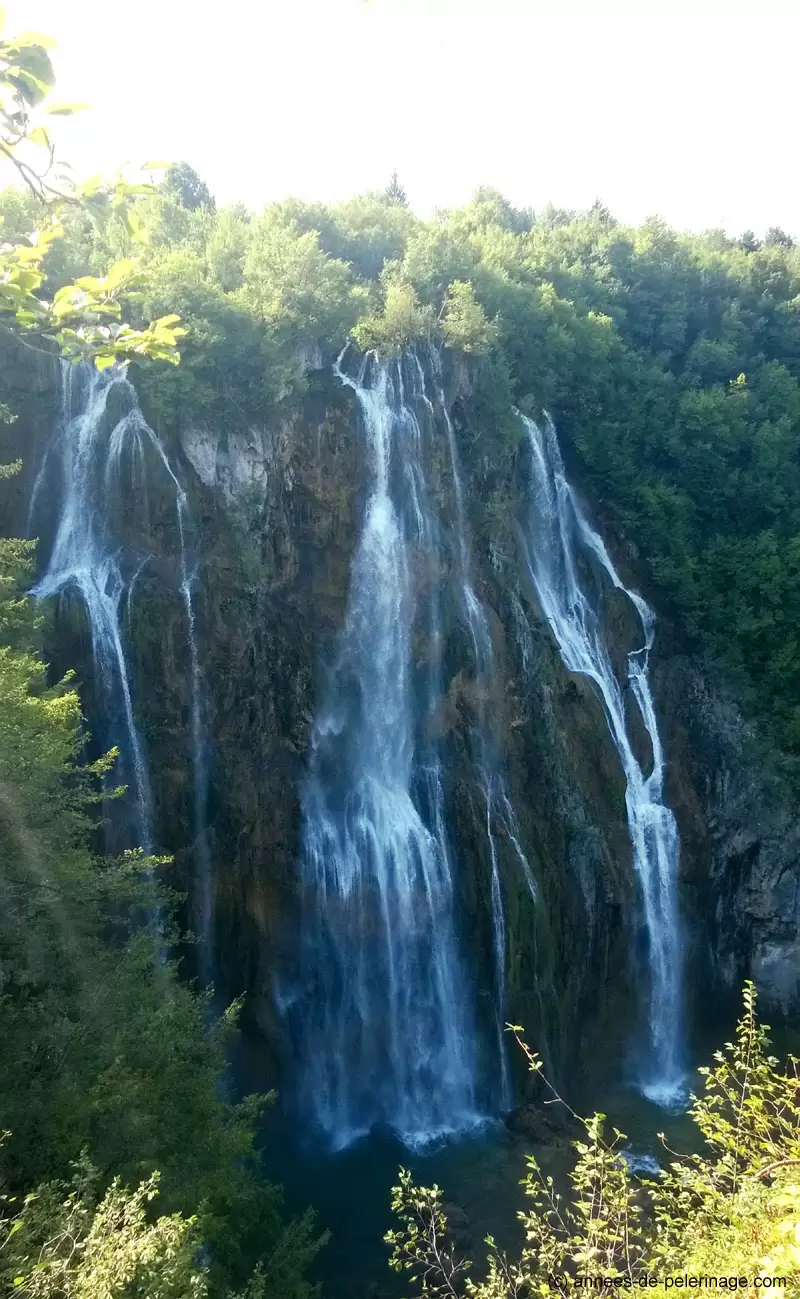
(688, 110)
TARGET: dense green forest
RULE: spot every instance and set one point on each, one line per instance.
(670, 362)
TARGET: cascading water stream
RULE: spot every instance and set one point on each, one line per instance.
(556, 536)
(388, 1032)
(85, 558)
(498, 804)
(203, 900)
(101, 466)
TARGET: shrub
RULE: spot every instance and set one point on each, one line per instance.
(732, 1209)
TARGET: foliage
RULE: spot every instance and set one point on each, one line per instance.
(293, 285)
(182, 183)
(367, 231)
(667, 360)
(400, 324)
(226, 248)
(732, 1209)
(232, 369)
(104, 1050)
(62, 1242)
(83, 319)
(465, 325)
(395, 192)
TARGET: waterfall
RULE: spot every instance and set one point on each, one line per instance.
(557, 538)
(203, 905)
(387, 1029)
(497, 802)
(100, 448)
(86, 557)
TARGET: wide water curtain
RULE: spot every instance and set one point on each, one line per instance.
(562, 549)
(388, 1032)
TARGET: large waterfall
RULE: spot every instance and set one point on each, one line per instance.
(391, 1026)
(99, 468)
(562, 548)
(388, 1032)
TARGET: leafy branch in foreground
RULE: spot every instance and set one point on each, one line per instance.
(734, 1208)
(84, 320)
(63, 1242)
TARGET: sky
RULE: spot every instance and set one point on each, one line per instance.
(685, 110)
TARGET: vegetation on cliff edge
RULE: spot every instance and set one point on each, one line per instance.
(670, 363)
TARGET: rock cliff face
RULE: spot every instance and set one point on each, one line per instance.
(277, 511)
(273, 515)
(742, 839)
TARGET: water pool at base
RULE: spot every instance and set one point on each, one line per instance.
(479, 1175)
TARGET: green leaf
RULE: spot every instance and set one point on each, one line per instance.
(39, 136)
(65, 110)
(133, 224)
(28, 40)
(118, 273)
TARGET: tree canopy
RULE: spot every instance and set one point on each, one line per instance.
(669, 361)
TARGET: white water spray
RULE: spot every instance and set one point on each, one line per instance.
(101, 455)
(387, 1032)
(86, 558)
(557, 537)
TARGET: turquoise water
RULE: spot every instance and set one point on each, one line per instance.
(480, 1174)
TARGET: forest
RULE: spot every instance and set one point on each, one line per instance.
(686, 346)
(670, 363)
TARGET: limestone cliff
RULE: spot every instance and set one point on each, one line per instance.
(273, 514)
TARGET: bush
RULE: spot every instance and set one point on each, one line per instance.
(733, 1209)
(402, 322)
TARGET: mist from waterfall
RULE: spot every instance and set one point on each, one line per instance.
(99, 453)
(561, 548)
(388, 1030)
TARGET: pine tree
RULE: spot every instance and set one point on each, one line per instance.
(395, 192)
